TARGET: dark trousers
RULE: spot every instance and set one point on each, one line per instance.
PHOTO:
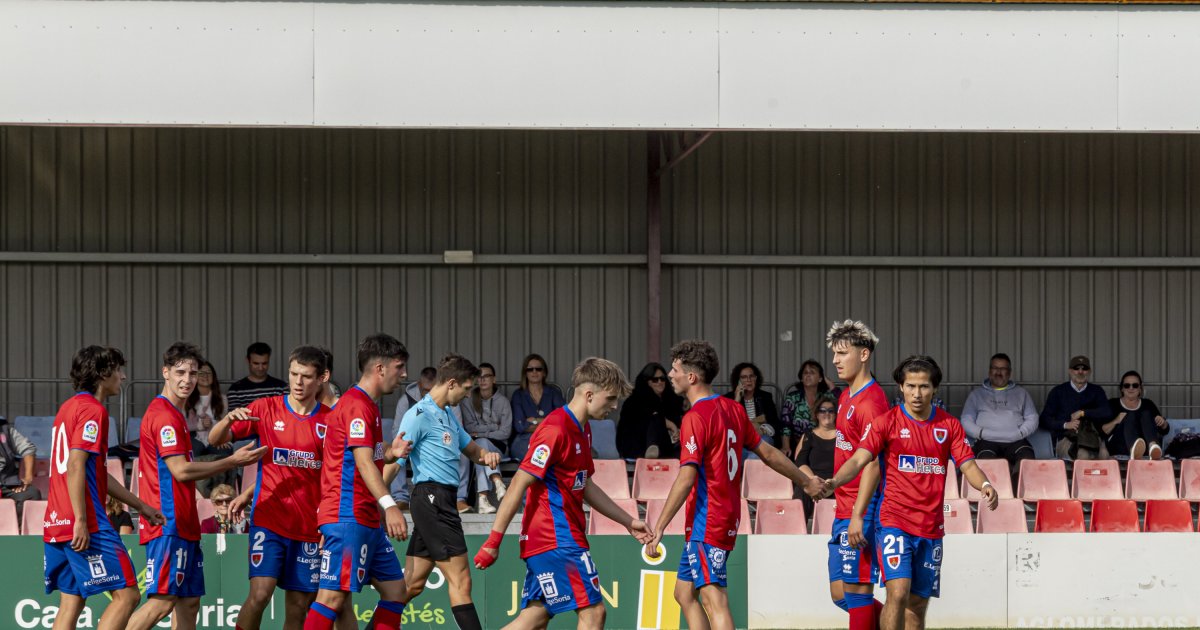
(1134, 426)
(1014, 452)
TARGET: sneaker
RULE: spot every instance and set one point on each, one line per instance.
(500, 488)
(1155, 451)
(1138, 449)
(652, 451)
(483, 506)
(463, 507)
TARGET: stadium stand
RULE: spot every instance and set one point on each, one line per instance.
(952, 487)
(205, 509)
(1147, 479)
(997, 472)
(116, 468)
(1189, 480)
(781, 517)
(1056, 516)
(958, 516)
(652, 478)
(133, 431)
(611, 477)
(654, 507)
(604, 439)
(1114, 516)
(1007, 518)
(1169, 515)
(8, 518)
(249, 473)
(33, 518)
(1096, 479)
(1042, 479)
(759, 482)
(744, 520)
(602, 525)
(1042, 443)
(822, 520)
(36, 429)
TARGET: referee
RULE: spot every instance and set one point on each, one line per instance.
(437, 536)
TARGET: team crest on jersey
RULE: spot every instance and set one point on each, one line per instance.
(321, 431)
(446, 438)
(580, 480)
(939, 434)
(540, 456)
(358, 428)
(256, 558)
(167, 437)
(893, 562)
(850, 412)
(91, 431)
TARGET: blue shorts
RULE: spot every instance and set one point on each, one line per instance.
(103, 566)
(295, 564)
(852, 565)
(174, 566)
(353, 555)
(703, 564)
(563, 579)
(902, 555)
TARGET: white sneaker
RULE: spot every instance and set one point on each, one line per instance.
(483, 506)
(1138, 449)
(500, 488)
(1155, 451)
(652, 451)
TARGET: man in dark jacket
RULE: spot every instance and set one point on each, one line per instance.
(17, 455)
(1075, 411)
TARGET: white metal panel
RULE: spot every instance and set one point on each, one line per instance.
(1160, 79)
(163, 63)
(533, 65)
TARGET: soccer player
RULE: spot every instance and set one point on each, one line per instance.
(917, 440)
(851, 559)
(283, 521)
(174, 563)
(438, 439)
(556, 471)
(83, 553)
(714, 432)
(353, 492)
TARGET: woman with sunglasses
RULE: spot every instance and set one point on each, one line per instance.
(814, 451)
(223, 521)
(1137, 426)
(531, 403)
(650, 418)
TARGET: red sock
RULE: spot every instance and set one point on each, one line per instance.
(317, 621)
(386, 619)
(863, 618)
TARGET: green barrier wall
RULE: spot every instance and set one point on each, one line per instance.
(637, 594)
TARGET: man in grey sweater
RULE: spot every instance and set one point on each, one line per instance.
(999, 416)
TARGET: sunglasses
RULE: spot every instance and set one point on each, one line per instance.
(825, 410)
(657, 379)
(221, 501)
(1081, 368)
(1131, 385)
(535, 369)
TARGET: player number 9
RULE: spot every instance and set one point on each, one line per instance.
(362, 555)
(731, 454)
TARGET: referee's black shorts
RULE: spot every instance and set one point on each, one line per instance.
(437, 528)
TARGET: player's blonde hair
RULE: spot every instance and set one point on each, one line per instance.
(851, 332)
(603, 374)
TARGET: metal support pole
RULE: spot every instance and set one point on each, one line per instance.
(654, 248)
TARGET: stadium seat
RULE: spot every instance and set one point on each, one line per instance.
(744, 520)
(998, 473)
(249, 476)
(823, 515)
(1169, 515)
(41, 467)
(654, 507)
(1043, 444)
(759, 482)
(114, 436)
(1149, 479)
(36, 429)
(781, 517)
(133, 430)
(8, 518)
(652, 478)
(602, 525)
(116, 468)
(1189, 480)
(134, 479)
(1042, 479)
(957, 513)
(43, 485)
(611, 477)
(1007, 518)
(34, 518)
(1096, 479)
(204, 509)
(1114, 516)
(1057, 516)
(952, 488)
(604, 439)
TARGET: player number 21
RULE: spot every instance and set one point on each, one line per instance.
(890, 543)
(730, 453)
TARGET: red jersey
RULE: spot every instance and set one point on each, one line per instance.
(288, 486)
(560, 456)
(714, 432)
(855, 411)
(165, 434)
(913, 470)
(81, 423)
(353, 423)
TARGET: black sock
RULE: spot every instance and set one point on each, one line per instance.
(466, 617)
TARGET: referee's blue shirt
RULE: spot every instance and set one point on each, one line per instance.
(438, 439)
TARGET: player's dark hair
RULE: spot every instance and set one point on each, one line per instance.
(456, 367)
(1133, 373)
(698, 356)
(1000, 355)
(852, 332)
(380, 346)
(183, 351)
(94, 364)
(309, 356)
(328, 359)
(918, 363)
(258, 347)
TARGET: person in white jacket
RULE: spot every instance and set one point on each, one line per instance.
(999, 416)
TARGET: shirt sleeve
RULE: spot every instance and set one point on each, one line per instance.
(168, 434)
(244, 429)
(692, 435)
(874, 434)
(960, 449)
(359, 432)
(85, 432)
(546, 447)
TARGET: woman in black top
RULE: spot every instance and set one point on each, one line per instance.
(650, 419)
(1137, 426)
(815, 452)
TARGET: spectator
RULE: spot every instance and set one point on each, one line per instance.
(760, 405)
(203, 408)
(223, 522)
(401, 488)
(1074, 412)
(797, 416)
(1137, 425)
(814, 450)
(487, 417)
(999, 416)
(118, 516)
(331, 392)
(17, 469)
(532, 402)
(650, 418)
(258, 383)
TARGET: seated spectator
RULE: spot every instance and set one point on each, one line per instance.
(487, 417)
(797, 417)
(760, 405)
(650, 418)
(17, 467)
(1074, 413)
(258, 383)
(814, 450)
(401, 486)
(203, 408)
(999, 416)
(331, 391)
(223, 522)
(118, 516)
(1137, 427)
(531, 403)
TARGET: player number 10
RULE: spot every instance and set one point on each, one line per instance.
(731, 453)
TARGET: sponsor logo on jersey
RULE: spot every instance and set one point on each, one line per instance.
(358, 428)
(167, 438)
(691, 445)
(893, 562)
(91, 431)
(920, 465)
(549, 588)
(580, 480)
(939, 434)
(256, 558)
(280, 426)
(446, 438)
(294, 458)
(54, 521)
(905, 433)
(321, 430)
(841, 443)
(540, 456)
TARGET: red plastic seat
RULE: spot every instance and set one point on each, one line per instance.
(1114, 516)
(781, 517)
(41, 467)
(602, 525)
(998, 473)
(1055, 516)
(34, 518)
(42, 484)
(117, 469)
(952, 487)
(1042, 479)
(759, 482)
(823, 516)
(1189, 480)
(1150, 479)
(957, 513)
(1169, 515)
(744, 520)
(1007, 518)
(1096, 479)
(611, 478)
(249, 476)
(652, 478)
(654, 507)
(8, 518)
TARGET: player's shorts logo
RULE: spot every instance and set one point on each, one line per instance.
(310, 549)
(362, 574)
(596, 582)
(846, 568)
(540, 456)
(446, 438)
(937, 553)
(940, 434)
(549, 588)
(96, 566)
(167, 438)
(179, 575)
(893, 562)
(91, 431)
(358, 428)
(256, 558)
(718, 557)
(325, 561)
(845, 539)
(321, 431)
